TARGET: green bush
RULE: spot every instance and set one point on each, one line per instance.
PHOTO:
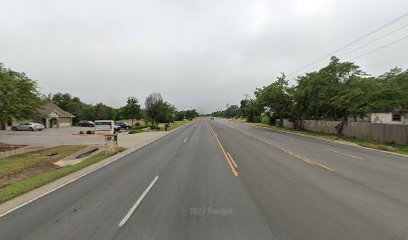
(81, 132)
(155, 127)
(137, 124)
(89, 132)
(265, 119)
(133, 131)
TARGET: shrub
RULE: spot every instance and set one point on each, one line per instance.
(89, 132)
(137, 124)
(155, 127)
(139, 127)
(133, 131)
(81, 132)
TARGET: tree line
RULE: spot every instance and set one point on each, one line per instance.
(338, 91)
(20, 99)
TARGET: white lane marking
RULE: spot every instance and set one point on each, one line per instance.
(331, 150)
(127, 216)
(73, 180)
(185, 140)
(54, 189)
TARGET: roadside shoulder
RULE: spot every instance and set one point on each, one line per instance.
(343, 142)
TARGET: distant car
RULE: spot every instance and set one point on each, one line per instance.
(29, 127)
(85, 123)
(123, 125)
(117, 128)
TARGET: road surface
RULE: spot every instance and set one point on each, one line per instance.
(218, 179)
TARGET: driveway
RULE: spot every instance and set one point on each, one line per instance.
(51, 137)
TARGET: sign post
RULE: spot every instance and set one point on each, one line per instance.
(107, 128)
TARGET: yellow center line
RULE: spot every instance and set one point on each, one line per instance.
(311, 162)
(225, 155)
(232, 160)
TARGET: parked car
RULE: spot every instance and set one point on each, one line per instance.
(29, 127)
(116, 128)
(123, 125)
(85, 123)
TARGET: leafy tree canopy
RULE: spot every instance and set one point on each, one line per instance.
(19, 97)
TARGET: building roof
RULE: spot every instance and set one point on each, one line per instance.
(48, 108)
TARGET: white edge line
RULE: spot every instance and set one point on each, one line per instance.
(185, 140)
(54, 189)
(127, 216)
(345, 154)
(72, 180)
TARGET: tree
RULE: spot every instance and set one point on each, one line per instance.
(19, 97)
(337, 91)
(251, 109)
(191, 113)
(154, 107)
(166, 115)
(102, 111)
(395, 80)
(131, 109)
(232, 111)
(81, 110)
(275, 97)
(180, 115)
(188, 114)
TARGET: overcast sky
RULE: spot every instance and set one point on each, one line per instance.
(197, 54)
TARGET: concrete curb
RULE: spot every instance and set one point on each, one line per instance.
(26, 198)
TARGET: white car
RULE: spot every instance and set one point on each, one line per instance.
(29, 127)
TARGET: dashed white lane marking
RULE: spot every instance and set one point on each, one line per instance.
(60, 186)
(127, 216)
(331, 150)
(185, 140)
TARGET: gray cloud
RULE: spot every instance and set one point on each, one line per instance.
(199, 54)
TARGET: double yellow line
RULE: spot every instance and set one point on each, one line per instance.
(231, 162)
(311, 162)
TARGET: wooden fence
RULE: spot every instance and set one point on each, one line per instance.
(386, 133)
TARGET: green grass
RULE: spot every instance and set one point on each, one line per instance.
(134, 131)
(397, 148)
(18, 188)
(174, 125)
(18, 163)
(177, 124)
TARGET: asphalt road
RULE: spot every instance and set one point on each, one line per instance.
(224, 180)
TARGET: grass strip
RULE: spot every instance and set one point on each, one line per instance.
(21, 162)
(19, 188)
